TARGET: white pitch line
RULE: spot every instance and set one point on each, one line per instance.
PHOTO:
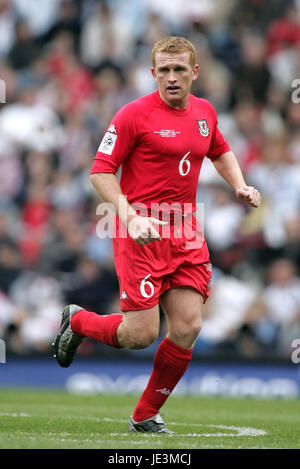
(65, 439)
(240, 431)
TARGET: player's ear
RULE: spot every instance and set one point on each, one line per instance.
(195, 72)
(153, 73)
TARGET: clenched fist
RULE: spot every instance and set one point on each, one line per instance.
(249, 194)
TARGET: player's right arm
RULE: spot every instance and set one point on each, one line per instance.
(140, 228)
(117, 144)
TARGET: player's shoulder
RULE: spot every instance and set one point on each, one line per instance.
(203, 104)
(138, 107)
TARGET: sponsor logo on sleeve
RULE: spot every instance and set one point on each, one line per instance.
(108, 143)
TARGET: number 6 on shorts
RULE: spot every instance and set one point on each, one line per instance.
(146, 282)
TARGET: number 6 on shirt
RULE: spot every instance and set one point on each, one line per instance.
(184, 161)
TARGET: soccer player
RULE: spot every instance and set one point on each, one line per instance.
(160, 141)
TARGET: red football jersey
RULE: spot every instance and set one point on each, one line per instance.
(160, 149)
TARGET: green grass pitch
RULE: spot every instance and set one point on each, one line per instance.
(54, 419)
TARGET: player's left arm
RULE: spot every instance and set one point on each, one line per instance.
(229, 169)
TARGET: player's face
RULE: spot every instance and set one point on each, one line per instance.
(174, 75)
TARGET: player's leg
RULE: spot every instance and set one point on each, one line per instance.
(183, 310)
(139, 328)
(184, 293)
(138, 325)
(132, 329)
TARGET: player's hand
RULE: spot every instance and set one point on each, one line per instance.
(142, 231)
(250, 195)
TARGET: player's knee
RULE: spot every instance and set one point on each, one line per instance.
(142, 340)
(196, 328)
(189, 331)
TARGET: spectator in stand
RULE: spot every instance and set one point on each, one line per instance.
(39, 297)
(40, 16)
(226, 313)
(275, 316)
(25, 49)
(223, 219)
(91, 284)
(252, 78)
(274, 175)
(285, 31)
(10, 265)
(106, 39)
(28, 123)
(7, 27)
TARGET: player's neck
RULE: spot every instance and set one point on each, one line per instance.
(182, 104)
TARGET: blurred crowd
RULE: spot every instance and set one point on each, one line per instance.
(68, 66)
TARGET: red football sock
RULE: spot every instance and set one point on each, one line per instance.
(170, 363)
(101, 328)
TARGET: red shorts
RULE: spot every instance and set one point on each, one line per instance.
(181, 258)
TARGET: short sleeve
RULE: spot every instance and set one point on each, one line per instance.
(118, 142)
(218, 146)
